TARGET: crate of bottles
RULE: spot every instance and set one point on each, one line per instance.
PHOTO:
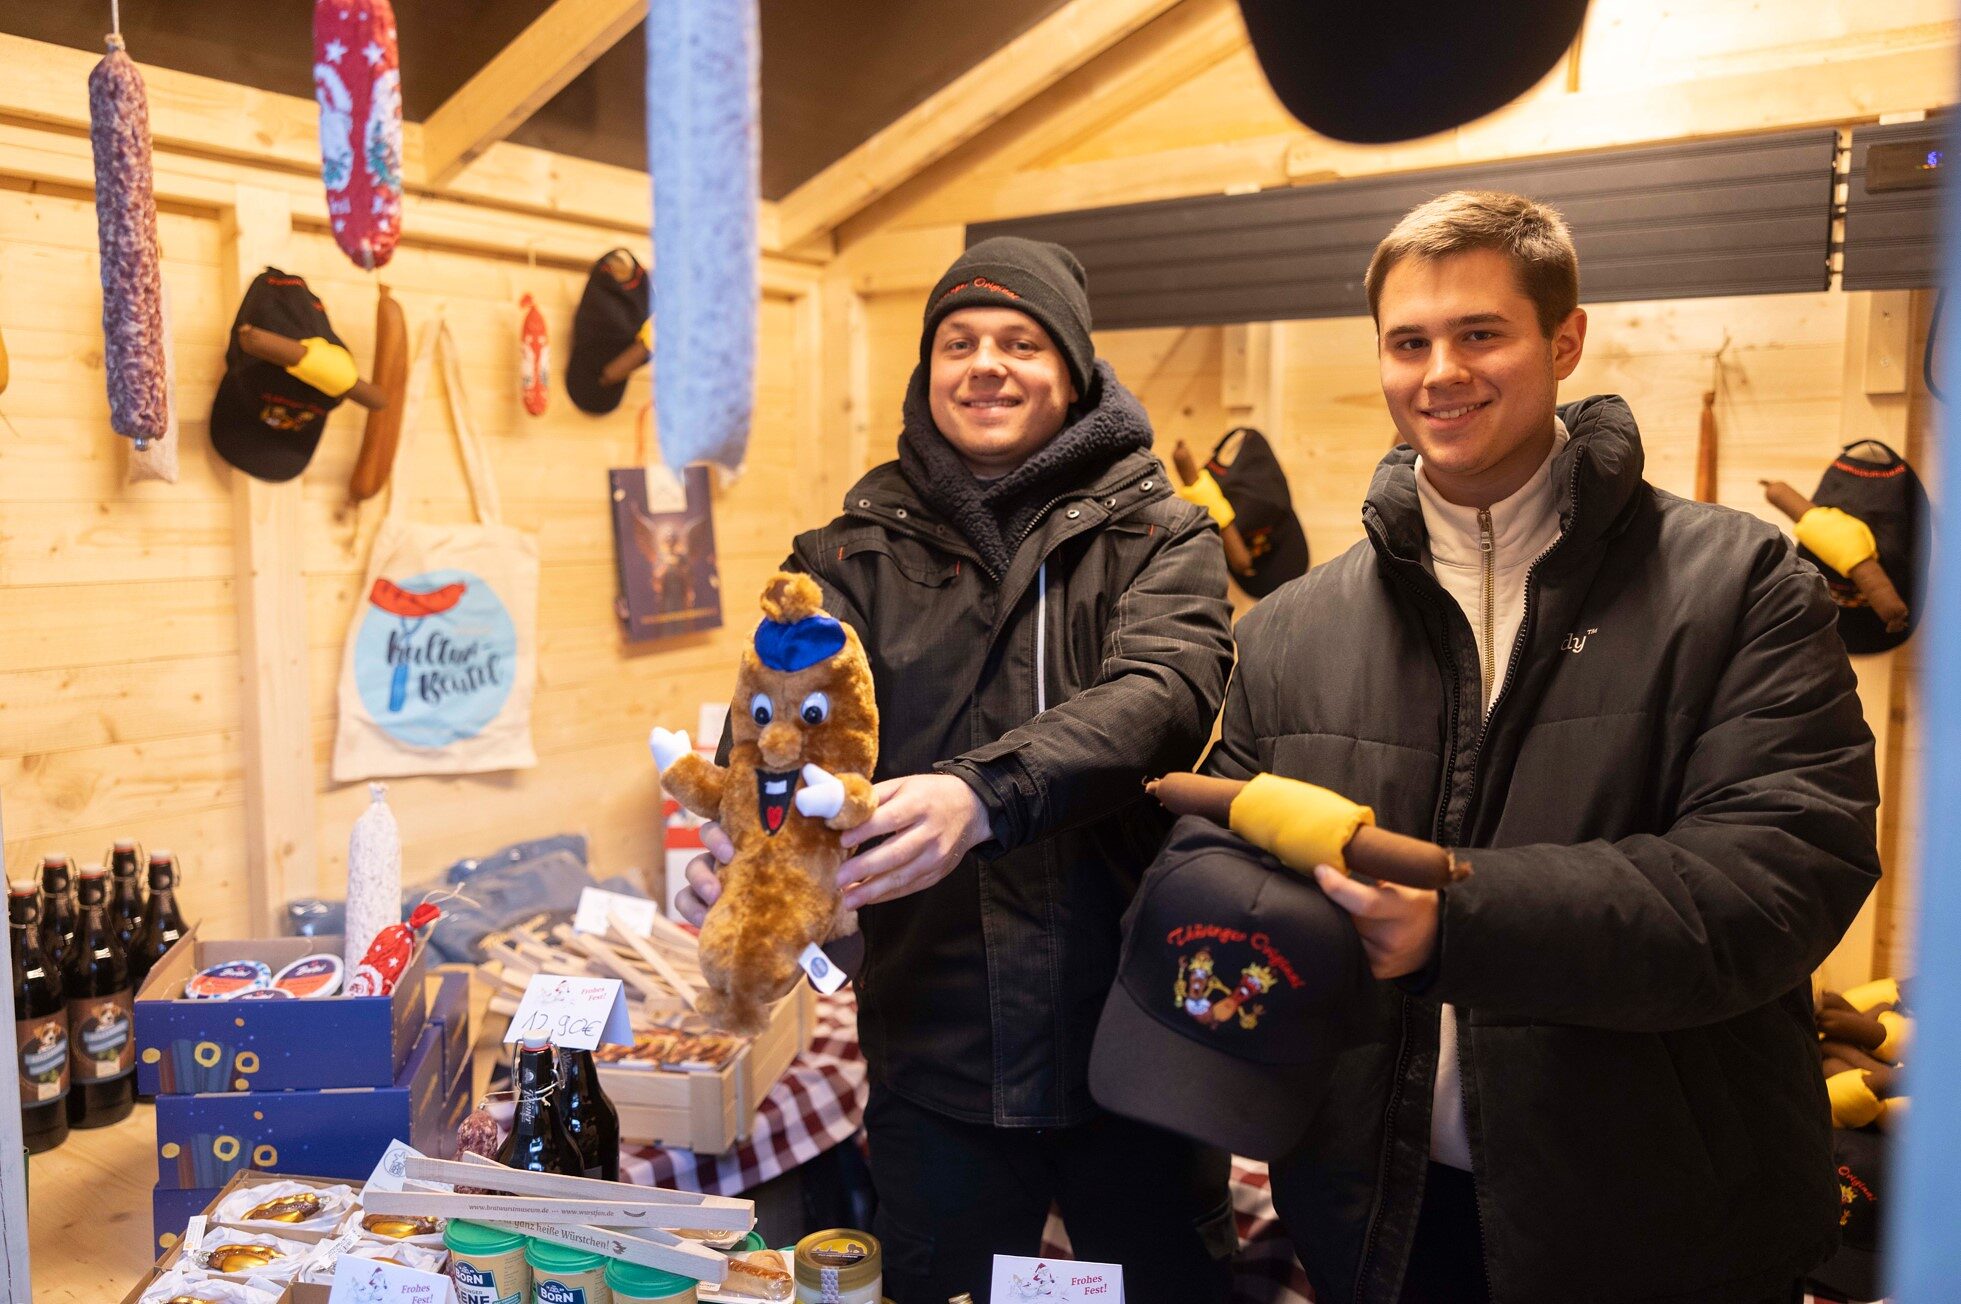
(185, 1045)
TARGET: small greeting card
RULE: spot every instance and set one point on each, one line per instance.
(1055, 1281)
(370, 1281)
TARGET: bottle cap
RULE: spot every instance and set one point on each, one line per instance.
(535, 1043)
(311, 976)
(161, 855)
(125, 844)
(21, 888)
(220, 981)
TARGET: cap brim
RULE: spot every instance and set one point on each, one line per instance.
(252, 446)
(1143, 1070)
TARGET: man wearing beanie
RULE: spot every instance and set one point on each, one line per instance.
(1047, 624)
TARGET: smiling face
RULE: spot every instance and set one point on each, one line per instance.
(998, 387)
(1469, 376)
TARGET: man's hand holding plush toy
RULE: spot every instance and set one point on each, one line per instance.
(928, 821)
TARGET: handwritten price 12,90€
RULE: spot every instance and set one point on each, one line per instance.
(577, 1013)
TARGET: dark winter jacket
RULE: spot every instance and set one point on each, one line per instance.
(979, 996)
(1670, 820)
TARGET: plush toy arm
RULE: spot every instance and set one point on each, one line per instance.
(841, 801)
(696, 784)
(858, 803)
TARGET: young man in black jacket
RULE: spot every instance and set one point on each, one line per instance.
(1594, 1075)
(1047, 626)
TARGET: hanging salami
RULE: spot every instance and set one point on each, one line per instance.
(357, 80)
(126, 225)
(534, 358)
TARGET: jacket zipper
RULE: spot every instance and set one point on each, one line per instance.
(1402, 1035)
(1488, 633)
(1511, 673)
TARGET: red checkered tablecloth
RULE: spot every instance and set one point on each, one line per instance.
(820, 1102)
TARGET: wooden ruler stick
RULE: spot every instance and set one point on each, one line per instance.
(653, 957)
(478, 1171)
(557, 1211)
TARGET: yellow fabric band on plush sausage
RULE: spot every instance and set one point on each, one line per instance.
(1206, 493)
(327, 367)
(1880, 991)
(1839, 540)
(1303, 824)
(1853, 1101)
(1899, 1030)
(646, 335)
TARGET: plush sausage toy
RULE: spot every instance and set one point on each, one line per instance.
(126, 226)
(1305, 825)
(702, 152)
(804, 734)
(357, 80)
(1845, 543)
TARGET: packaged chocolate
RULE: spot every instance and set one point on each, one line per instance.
(183, 1285)
(244, 1255)
(311, 976)
(279, 1206)
(219, 981)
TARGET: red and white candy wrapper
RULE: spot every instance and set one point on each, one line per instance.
(357, 80)
(534, 358)
(394, 947)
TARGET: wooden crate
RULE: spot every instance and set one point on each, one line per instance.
(709, 1111)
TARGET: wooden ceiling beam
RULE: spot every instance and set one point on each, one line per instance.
(559, 44)
(962, 109)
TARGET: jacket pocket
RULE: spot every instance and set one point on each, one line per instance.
(915, 561)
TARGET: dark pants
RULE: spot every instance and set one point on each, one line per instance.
(951, 1195)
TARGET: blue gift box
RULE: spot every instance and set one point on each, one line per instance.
(203, 1139)
(201, 1046)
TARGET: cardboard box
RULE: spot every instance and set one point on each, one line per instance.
(168, 1238)
(710, 1110)
(210, 1046)
(340, 1132)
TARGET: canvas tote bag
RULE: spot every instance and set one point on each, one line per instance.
(442, 655)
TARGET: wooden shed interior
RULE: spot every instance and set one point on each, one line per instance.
(170, 659)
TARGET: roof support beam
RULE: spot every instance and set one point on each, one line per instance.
(560, 44)
(959, 111)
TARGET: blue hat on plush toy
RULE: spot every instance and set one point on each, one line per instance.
(798, 644)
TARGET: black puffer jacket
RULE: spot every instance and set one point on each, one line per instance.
(979, 996)
(1683, 788)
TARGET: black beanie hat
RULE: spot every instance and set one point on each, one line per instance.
(1033, 276)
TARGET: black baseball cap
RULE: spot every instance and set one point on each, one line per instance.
(1855, 1269)
(1239, 985)
(1263, 509)
(1367, 73)
(264, 420)
(611, 312)
(1872, 482)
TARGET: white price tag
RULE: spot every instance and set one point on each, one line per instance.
(824, 973)
(574, 1012)
(596, 902)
